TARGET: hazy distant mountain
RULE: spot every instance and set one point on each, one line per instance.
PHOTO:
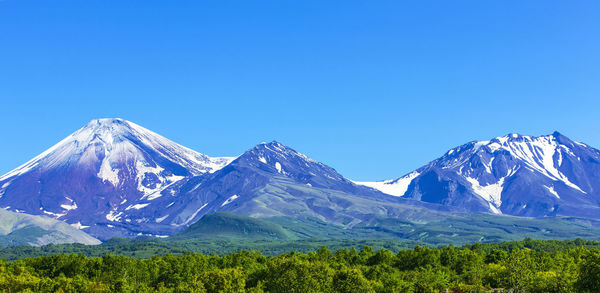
(514, 174)
(23, 229)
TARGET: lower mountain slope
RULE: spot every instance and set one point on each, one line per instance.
(484, 228)
(277, 235)
(23, 229)
(455, 229)
(223, 225)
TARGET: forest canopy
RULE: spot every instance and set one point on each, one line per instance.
(526, 266)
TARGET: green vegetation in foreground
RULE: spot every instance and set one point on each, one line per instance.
(525, 266)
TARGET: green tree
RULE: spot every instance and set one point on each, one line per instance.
(350, 281)
(520, 269)
(292, 274)
(589, 273)
(230, 280)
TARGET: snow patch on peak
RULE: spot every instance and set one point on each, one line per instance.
(543, 154)
(281, 151)
(478, 144)
(106, 121)
(107, 173)
(491, 193)
(190, 218)
(113, 216)
(538, 154)
(54, 215)
(552, 191)
(159, 220)
(395, 187)
(109, 141)
(137, 206)
(71, 206)
(230, 199)
(494, 209)
(79, 226)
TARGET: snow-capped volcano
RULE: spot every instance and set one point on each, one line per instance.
(100, 171)
(114, 140)
(512, 174)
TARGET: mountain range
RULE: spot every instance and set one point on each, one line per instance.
(115, 178)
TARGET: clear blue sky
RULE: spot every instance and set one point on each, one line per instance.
(373, 88)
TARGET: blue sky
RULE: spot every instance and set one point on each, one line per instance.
(373, 88)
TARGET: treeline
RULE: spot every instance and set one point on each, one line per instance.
(523, 266)
(146, 247)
